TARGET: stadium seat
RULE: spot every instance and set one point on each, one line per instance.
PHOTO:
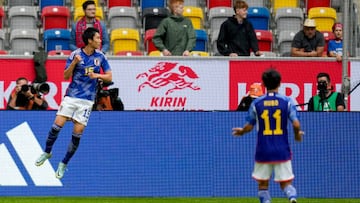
(79, 3)
(197, 3)
(2, 17)
(24, 41)
(129, 53)
(316, 3)
(113, 3)
(276, 4)
(152, 4)
(2, 39)
(199, 53)
(55, 17)
(148, 44)
(3, 52)
(196, 15)
(44, 3)
(122, 17)
(325, 17)
(328, 35)
(59, 53)
(56, 39)
(285, 39)
(23, 17)
(79, 13)
(265, 39)
(337, 5)
(151, 17)
(259, 17)
(12, 3)
(289, 19)
(156, 53)
(201, 40)
(257, 3)
(124, 39)
(213, 42)
(218, 3)
(218, 15)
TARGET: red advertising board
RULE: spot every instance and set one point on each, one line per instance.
(298, 78)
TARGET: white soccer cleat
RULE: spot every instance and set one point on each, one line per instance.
(45, 156)
(293, 200)
(60, 170)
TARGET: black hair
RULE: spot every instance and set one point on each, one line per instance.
(271, 79)
(21, 78)
(89, 33)
(86, 3)
(320, 75)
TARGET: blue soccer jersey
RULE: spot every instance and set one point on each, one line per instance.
(271, 113)
(82, 86)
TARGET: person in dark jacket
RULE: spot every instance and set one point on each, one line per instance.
(237, 35)
(175, 36)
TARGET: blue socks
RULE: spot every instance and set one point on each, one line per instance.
(264, 196)
(73, 145)
(290, 191)
(52, 136)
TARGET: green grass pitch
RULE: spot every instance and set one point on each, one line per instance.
(160, 200)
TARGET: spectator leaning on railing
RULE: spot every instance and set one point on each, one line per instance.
(308, 42)
(335, 46)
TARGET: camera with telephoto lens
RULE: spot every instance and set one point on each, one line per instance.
(35, 88)
(322, 86)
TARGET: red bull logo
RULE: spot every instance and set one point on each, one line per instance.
(169, 75)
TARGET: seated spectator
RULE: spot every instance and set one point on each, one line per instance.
(26, 97)
(237, 36)
(255, 92)
(89, 20)
(308, 42)
(335, 45)
(175, 36)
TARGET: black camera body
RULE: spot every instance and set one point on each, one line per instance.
(322, 86)
(35, 88)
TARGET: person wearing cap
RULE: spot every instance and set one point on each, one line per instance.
(308, 42)
(335, 46)
(254, 92)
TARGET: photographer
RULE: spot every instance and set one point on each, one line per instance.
(28, 97)
(326, 99)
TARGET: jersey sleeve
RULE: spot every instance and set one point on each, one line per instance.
(251, 117)
(293, 114)
(105, 65)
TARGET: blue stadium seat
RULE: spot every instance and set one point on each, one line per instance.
(152, 3)
(201, 40)
(259, 17)
(44, 3)
(56, 39)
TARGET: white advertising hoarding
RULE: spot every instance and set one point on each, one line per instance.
(163, 84)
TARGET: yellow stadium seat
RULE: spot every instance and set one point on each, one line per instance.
(156, 53)
(124, 39)
(196, 15)
(324, 17)
(276, 4)
(199, 53)
(79, 13)
(79, 3)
